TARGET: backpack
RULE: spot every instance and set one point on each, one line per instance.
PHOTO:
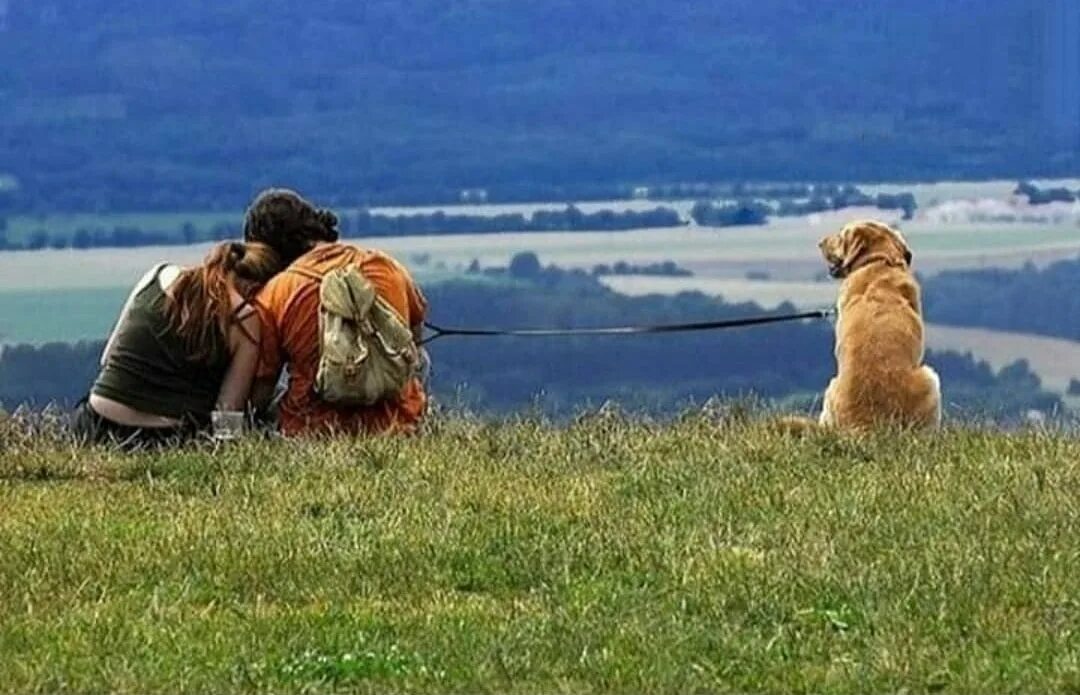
(366, 352)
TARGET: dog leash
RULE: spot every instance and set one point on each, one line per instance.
(443, 332)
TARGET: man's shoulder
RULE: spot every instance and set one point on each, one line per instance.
(276, 292)
(286, 278)
(380, 259)
(326, 254)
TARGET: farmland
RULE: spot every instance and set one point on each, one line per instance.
(40, 316)
(786, 249)
(74, 294)
(1056, 361)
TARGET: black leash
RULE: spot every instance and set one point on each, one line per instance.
(440, 332)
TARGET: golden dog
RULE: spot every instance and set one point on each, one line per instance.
(880, 378)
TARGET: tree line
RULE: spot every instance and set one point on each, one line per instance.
(1045, 196)
(812, 200)
(364, 223)
(571, 218)
(1027, 300)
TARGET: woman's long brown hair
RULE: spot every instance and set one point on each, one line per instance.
(198, 306)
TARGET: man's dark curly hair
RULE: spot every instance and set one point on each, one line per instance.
(290, 225)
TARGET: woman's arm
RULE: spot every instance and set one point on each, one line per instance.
(244, 345)
(139, 287)
(262, 394)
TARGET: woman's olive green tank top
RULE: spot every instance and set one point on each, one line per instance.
(148, 368)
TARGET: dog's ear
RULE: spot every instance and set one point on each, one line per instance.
(904, 248)
(852, 245)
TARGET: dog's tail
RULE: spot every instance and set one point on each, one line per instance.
(794, 425)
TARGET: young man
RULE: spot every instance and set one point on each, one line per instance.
(289, 308)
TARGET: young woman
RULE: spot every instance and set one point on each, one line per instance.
(186, 343)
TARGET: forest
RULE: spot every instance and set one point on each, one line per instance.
(1043, 301)
(158, 105)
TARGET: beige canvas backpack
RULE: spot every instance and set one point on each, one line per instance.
(366, 352)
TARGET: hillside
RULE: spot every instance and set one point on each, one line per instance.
(191, 106)
(606, 557)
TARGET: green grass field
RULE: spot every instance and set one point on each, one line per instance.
(604, 557)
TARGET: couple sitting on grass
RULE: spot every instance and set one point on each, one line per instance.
(217, 337)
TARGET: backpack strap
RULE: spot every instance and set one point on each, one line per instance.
(245, 308)
(350, 259)
(305, 272)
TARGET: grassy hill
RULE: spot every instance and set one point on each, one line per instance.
(609, 556)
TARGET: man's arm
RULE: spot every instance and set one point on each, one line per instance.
(271, 359)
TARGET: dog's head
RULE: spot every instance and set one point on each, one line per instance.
(861, 242)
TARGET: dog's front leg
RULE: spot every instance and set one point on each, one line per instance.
(828, 410)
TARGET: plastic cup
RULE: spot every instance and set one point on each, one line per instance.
(227, 424)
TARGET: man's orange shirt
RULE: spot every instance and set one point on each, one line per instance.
(289, 308)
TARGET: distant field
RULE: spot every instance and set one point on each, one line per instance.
(765, 292)
(493, 209)
(111, 268)
(20, 227)
(81, 303)
(931, 193)
(65, 295)
(35, 309)
(926, 194)
(33, 316)
(1055, 361)
(786, 249)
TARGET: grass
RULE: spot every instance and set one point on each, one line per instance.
(607, 556)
